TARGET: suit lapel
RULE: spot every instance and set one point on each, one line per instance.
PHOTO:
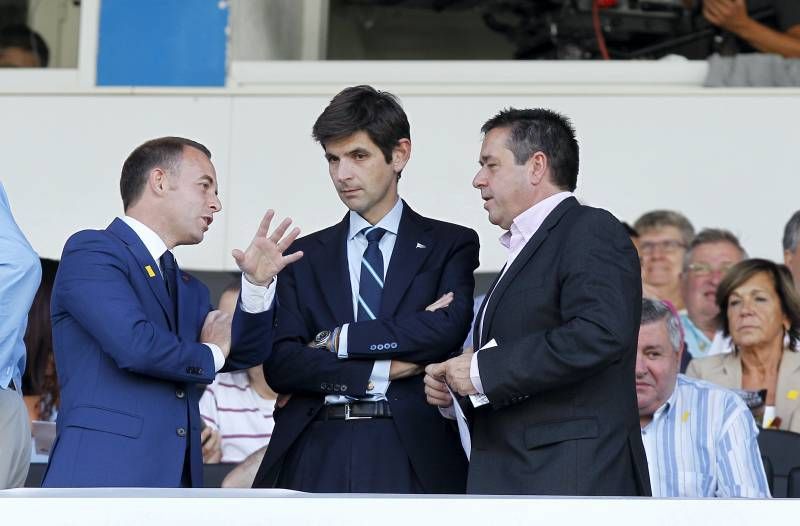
(522, 259)
(143, 257)
(333, 273)
(411, 249)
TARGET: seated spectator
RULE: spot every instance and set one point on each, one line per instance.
(760, 310)
(711, 254)
(791, 247)
(664, 236)
(732, 15)
(237, 405)
(39, 382)
(700, 439)
(22, 47)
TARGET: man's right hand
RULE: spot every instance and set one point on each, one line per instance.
(435, 387)
(217, 330)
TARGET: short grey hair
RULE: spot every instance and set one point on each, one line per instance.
(712, 235)
(791, 233)
(654, 311)
(661, 218)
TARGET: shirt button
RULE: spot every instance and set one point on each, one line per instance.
(180, 393)
(370, 385)
(181, 432)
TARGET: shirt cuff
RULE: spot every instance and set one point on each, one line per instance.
(257, 298)
(219, 358)
(474, 373)
(341, 351)
(379, 380)
(448, 412)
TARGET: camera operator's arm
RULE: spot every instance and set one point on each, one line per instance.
(732, 16)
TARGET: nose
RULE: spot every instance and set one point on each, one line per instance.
(641, 369)
(216, 204)
(479, 181)
(341, 171)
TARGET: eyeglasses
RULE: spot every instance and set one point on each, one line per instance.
(667, 246)
(704, 269)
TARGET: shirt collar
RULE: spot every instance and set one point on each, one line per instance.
(152, 242)
(528, 222)
(390, 222)
(668, 404)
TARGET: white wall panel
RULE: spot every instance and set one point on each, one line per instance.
(725, 158)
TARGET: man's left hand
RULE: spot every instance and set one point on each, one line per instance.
(264, 258)
(212, 445)
(727, 14)
(457, 374)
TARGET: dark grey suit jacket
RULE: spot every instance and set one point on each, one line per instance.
(563, 418)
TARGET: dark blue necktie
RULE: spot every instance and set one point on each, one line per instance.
(370, 286)
(169, 269)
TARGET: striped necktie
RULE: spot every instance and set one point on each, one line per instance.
(370, 286)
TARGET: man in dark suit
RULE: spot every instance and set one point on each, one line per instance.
(557, 331)
(359, 316)
(133, 334)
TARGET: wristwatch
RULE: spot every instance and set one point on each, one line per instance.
(322, 340)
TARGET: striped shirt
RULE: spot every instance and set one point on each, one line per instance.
(702, 443)
(242, 417)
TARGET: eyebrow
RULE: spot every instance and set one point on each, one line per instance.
(485, 158)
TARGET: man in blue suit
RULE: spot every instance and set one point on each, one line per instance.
(358, 317)
(133, 334)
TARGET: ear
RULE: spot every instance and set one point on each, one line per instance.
(538, 166)
(157, 181)
(401, 153)
(787, 257)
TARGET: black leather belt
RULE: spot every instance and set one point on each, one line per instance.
(355, 411)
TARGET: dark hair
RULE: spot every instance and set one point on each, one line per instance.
(165, 152)
(40, 377)
(791, 233)
(541, 130)
(662, 218)
(712, 235)
(784, 288)
(363, 108)
(23, 37)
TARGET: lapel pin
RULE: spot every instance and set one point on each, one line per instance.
(420, 245)
(792, 395)
(149, 270)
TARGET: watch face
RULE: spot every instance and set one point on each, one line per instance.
(322, 336)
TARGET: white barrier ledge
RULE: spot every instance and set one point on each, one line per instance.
(243, 507)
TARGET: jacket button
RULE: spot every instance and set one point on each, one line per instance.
(181, 432)
(199, 371)
(344, 388)
(180, 393)
(370, 385)
(323, 386)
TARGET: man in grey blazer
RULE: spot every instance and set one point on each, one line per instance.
(557, 332)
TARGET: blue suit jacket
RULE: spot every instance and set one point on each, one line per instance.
(129, 396)
(429, 259)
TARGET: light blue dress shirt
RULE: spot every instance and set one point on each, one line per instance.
(356, 245)
(703, 443)
(20, 274)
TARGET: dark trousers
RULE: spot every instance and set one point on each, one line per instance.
(349, 456)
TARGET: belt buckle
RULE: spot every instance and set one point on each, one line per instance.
(348, 417)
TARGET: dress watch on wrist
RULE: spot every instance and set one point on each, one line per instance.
(322, 340)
